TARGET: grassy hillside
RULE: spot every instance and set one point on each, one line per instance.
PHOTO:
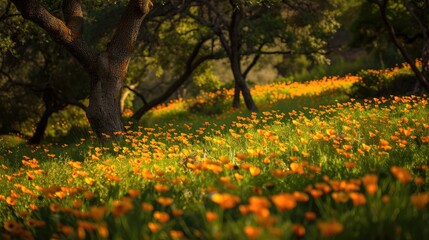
(311, 164)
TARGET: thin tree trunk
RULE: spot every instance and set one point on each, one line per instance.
(41, 128)
(235, 61)
(236, 99)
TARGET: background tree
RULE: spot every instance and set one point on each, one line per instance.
(407, 23)
(106, 68)
(270, 27)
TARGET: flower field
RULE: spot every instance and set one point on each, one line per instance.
(346, 170)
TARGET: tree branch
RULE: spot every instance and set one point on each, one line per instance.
(137, 94)
(123, 41)
(191, 64)
(73, 17)
(58, 30)
(254, 61)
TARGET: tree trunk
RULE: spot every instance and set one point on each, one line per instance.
(236, 99)
(104, 109)
(235, 60)
(41, 128)
(241, 84)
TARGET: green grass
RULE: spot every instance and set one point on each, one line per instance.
(310, 166)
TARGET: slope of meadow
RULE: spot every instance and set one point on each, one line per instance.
(352, 169)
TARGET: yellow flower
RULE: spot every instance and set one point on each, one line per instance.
(254, 171)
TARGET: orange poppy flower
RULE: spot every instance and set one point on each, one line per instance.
(225, 200)
(330, 228)
(284, 201)
(165, 201)
(254, 171)
(176, 234)
(161, 188)
(103, 231)
(154, 227)
(401, 174)
(298, 229)
(12, 226)
(357, 198)
(162, 217)
(310, 216)
(420, 200)
(211, 216)
(252, 232)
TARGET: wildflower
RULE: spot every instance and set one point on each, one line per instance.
(284, 201)
(161, 217)
(401, 174)
(54, 207)
(11, 201)
(88, 195)
(97, 213)
(300, 196)
(121, 207)
(252, 232)
(254, 171)
(238, 176)
(35, 223)
(161, 188)
(420, 200)
(67, 230)
(330, 228)
(164, 201)
(310, 216)
(154, 227)
(225, 200)
(177, 212)
(357, 198)
(298, 229)
(370, 183)
(103, 231)
(211, 216)
(176, 234)
(340, 197)
(12, 226)
(295, 167)
(147, 207)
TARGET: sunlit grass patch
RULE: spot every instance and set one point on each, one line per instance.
(346, 169)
